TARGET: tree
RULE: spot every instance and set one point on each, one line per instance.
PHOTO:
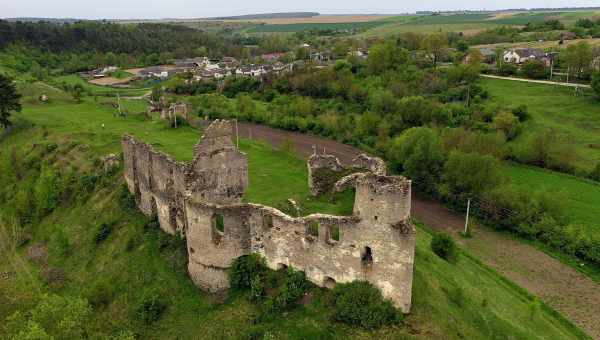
(534, 69)
(596, 84)
(9, 100)
(419, 152)
(436, 45)
(471, 173)
(508, 123)
(386, 56)
(578, 58)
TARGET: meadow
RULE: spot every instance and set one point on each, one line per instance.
(465, 299)
(574, 119)
(582, 204)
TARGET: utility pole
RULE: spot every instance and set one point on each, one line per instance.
(119, 104)
(467, 217)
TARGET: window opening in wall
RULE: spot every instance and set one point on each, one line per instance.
(313, 229)
(219, 223)
(218, 227)
(333, 234)
(367, 256)
(281, 266)
(268, 221)
(329, 282)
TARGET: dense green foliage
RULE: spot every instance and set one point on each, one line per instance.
(443, 246)
(245, 269)
(359, 303)
(9, 100)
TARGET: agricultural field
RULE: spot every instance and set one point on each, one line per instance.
(470, 23)
(542, 44)
(286, 28)
(134, 260)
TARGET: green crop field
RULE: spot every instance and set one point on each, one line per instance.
(575, 120)
(461, 300)
(285, 28)
(469, 22)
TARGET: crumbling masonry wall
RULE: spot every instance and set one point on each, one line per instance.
(202, 199)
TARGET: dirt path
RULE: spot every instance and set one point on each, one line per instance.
(570, 292)
(547, 82)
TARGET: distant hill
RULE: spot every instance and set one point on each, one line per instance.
(53, 20)
(285, 15)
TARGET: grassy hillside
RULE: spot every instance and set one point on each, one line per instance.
(69, 253)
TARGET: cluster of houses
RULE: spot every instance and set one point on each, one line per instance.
(204, 68)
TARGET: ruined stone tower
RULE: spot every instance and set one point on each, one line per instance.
(202, 200)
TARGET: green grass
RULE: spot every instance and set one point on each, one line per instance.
(583, 196)
(452, 301)
(575, 119)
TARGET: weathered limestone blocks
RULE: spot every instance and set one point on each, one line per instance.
(319, 166)
(375, 165)
(202, 200)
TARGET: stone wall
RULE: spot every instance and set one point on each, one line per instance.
(202, 199)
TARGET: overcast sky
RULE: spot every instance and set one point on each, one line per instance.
(122, 9)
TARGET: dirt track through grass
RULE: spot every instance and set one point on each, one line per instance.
(562, 287)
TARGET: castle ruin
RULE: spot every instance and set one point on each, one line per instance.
(202, 200)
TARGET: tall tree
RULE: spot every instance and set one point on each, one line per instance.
(578, 58)
(436, 46)
(9, 100)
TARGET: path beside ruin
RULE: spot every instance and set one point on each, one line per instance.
(570, 292)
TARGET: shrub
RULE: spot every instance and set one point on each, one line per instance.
(534, 69)
(359, 303)
(102, 232)
(294, 287)
(443, 246)
(244, 269)
(596, 84)
(126, 199)
(150, 307)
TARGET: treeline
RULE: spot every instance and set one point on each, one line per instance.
(108, 37)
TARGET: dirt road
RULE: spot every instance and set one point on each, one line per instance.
(546, 82)
(570, 292)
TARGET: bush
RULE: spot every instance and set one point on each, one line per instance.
(359, 303)
(294, 287)
(443, 246)
(507, 69)
(102, 233)
(126, 199)
(244, 270)
(596, 84)
(534, 69)
(150, 307)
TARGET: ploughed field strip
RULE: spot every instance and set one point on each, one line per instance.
(202, 200)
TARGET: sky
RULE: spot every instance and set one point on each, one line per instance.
(156, 9)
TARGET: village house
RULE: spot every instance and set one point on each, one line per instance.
(521, 55)
(321, 56)
(360, 53)
(192, 63)
(103, 72)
